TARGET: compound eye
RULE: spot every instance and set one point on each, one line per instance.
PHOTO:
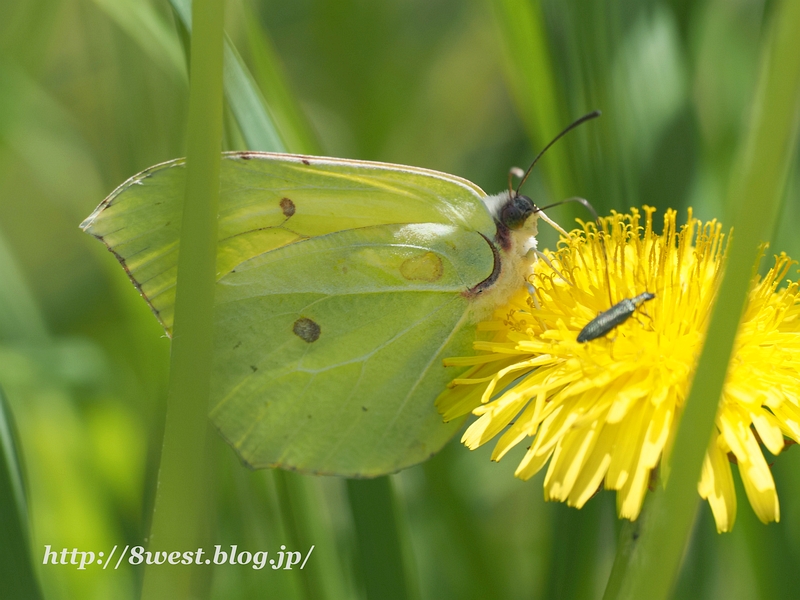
(516, 211)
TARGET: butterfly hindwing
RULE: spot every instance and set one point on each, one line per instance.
(341, 338)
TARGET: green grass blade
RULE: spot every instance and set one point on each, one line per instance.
(300, 500)
(242, 94)
(380, 551)
(770, 552)
(481, 576)
(248, 105)
(283, 106)
(759, 177)
(178, 516)
(17, 577)
(629, 533)
(21, 322)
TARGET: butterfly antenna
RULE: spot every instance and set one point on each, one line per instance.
(583, 201)
(592, 115)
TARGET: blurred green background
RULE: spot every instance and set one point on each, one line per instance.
(94, 91)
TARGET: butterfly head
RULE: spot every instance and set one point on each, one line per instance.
(515, 218)
(516, 211)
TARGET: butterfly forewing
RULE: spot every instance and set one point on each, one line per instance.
(268, 201)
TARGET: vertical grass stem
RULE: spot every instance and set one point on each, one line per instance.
(179, 520)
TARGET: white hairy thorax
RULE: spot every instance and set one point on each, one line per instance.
(516, 259)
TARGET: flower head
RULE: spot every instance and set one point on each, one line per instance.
(604, 411)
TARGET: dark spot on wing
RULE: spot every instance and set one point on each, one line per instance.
(287, 207)
(423, 267)
(306, 329)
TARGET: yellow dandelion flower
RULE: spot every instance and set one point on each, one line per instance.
(603, 412)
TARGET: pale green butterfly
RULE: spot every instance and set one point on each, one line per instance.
(341, 287)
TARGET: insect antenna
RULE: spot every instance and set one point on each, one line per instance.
(583, 201)
(592, 115)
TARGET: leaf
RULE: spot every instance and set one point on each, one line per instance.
(17, 576)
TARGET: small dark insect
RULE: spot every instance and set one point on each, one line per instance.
(616, 315)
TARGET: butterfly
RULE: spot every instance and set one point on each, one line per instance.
(341, 287)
